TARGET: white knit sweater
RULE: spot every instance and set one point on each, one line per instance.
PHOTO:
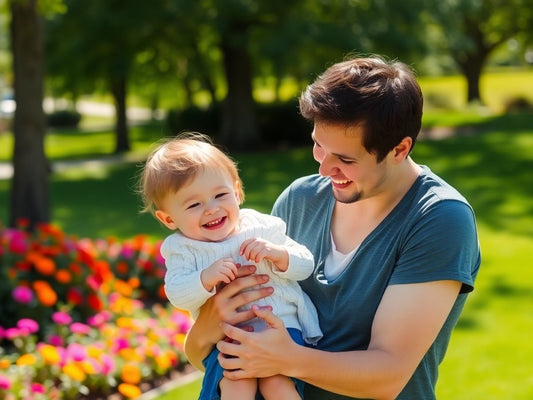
(185, 258)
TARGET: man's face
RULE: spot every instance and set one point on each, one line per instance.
(354, 172)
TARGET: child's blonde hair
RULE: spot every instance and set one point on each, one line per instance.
(175, 162)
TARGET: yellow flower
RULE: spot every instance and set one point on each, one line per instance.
(130, 354)
(50, 354)
(163, 361)
(87, 367)
(94, 352)
(130, 374)
(74, 372)
(26, 359)
(128, 390)
(125, 322)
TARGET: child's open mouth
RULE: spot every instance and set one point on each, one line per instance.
(215, 223)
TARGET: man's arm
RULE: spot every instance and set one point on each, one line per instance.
(206, 330)
(406, 323)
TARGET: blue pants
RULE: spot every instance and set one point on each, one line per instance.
(213, 372)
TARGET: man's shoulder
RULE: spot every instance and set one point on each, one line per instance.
(311, 183)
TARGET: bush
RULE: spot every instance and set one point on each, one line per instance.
(63, 119)
(196, 119)
(280, 124)
(518, 104)
(83, 316)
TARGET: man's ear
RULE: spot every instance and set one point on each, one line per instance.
(402, 150)
(166, 219)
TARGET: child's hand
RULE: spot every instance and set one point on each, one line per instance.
(221, 271)
(257, 249)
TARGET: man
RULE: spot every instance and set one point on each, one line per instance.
(395, 247)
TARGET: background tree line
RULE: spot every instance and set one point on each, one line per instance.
(68, 48)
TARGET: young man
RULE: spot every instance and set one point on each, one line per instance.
(395, 247)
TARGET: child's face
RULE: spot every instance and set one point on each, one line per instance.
(206, 209)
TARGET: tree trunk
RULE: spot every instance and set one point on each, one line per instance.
(118, 89)
(29, 186)
(239, 129)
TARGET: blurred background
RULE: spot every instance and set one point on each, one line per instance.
(88, 87)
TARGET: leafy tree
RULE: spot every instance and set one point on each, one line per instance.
(473, 29)
(98, 41)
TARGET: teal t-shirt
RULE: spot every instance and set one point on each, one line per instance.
(430, 235)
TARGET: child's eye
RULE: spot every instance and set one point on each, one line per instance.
(193, 205)
(218, 196)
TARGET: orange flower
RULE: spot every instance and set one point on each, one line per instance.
(129, 391)
(50, 354)
(4, 363)
(130, 374)
(43, 265)
(134, 282)
(63, 276)
(123, 288)
(45, 293)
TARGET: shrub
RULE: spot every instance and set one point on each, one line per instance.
(518, 104)
(63, 119)
(280, 124)
(83, 316)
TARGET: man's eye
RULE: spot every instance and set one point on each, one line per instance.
(193, 205)
(344, 161)
(218, 196)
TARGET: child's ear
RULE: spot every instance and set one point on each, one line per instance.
(238, 192)
(166, 219)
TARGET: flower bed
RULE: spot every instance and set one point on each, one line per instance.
(83, 318)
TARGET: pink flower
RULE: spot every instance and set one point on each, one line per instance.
(38, 388)
(55, 340)
(12, 333)
(99, 319)
(5, 383)
(78, 327)
(22, 294)
(27, 326)
(61, 318)
(76, 352)
(108, 364)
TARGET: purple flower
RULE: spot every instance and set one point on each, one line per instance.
(27, 326)
(61, 318)
(22, 294)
